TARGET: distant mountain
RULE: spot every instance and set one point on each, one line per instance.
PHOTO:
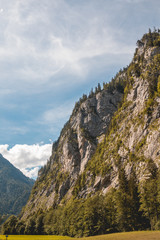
(15, 188)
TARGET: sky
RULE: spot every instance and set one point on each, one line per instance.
(53, 51)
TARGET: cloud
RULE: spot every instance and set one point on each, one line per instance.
(40, 40)
(31, 172)
(37, 43)
(53, 51)
(57, 114)
(132, 1)
(44, 43)
(28, 158)
(54, 117)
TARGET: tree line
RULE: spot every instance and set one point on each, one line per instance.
(133, 206)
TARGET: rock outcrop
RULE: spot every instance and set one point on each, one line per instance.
(76, 145)
(108, 129)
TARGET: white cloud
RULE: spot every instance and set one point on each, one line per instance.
(55, 50)
(132, 1)
(54, 118)
(57, 114)
(28, 158)
(31, 172)
(41, 39)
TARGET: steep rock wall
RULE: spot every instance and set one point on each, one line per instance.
(101, 137)
(75, 147)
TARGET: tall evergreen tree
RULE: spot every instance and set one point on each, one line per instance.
(99, 87)
(149, 196)
(122, 201)
(136, 220)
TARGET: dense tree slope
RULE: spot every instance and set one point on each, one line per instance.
(103, 175)
(15, 188)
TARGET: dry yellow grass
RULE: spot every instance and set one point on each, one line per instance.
(33, 237)
(143, 235)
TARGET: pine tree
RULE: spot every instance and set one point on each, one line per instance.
(39, 227)
(110, 202)
(9, 227)
(149, 196)
(150, 39)
(158, 86)
(99, 87)
(30, 228)
(122, 202)
(91, 94)
(136, 220)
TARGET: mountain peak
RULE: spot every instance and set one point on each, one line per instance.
(107, 150)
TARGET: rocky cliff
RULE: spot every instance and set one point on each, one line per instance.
(76, 145)
(132, 135)
(111, 136)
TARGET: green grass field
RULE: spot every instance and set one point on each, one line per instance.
(144, 235)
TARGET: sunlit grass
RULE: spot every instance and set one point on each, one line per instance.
(143, 235)
(33, 237)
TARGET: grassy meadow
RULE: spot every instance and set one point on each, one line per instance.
(143, 235)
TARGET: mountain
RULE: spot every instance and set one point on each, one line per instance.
(15, 188)
(75, 146)
(103, 175)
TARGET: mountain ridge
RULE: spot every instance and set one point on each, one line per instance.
(106, 160)
(15, 188)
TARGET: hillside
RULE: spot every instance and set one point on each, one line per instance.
(15, 188)
(103, 175)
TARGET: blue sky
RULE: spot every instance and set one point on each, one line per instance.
(53, 51)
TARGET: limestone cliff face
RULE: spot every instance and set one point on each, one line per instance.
(134, 136)
(100, 136)
(75, 146)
